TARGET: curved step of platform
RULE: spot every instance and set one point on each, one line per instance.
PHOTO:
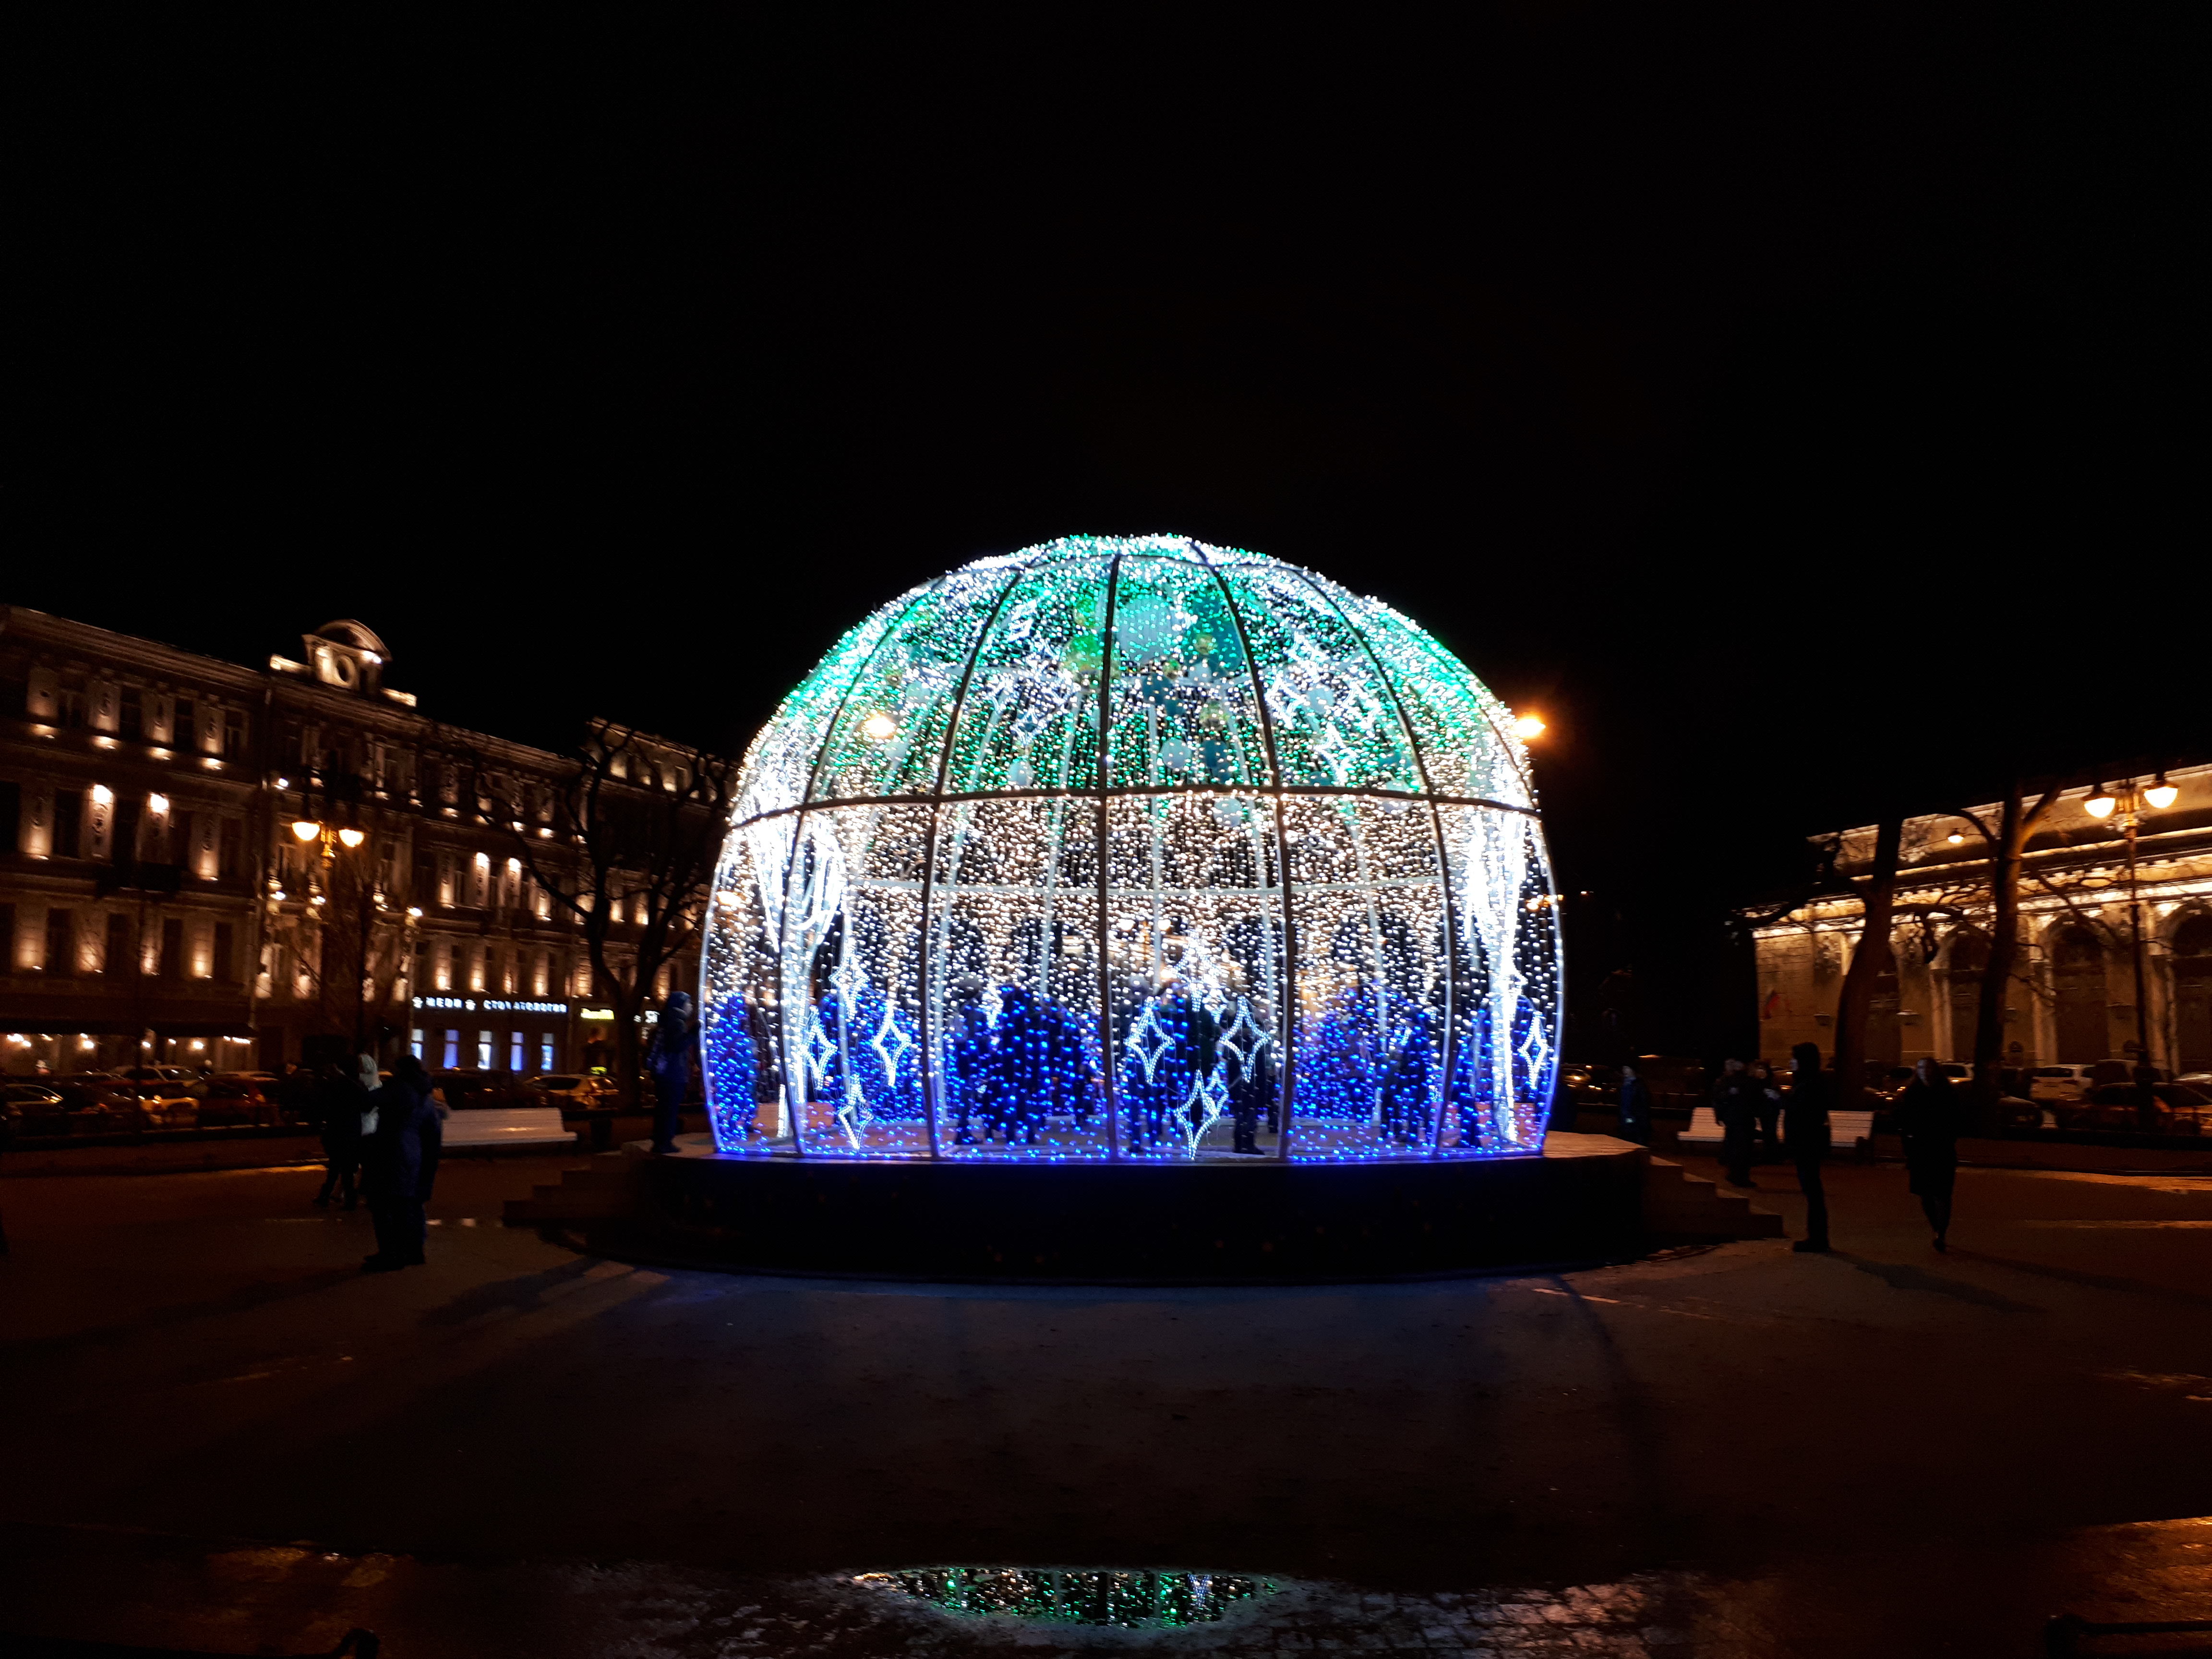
(1679, 1206)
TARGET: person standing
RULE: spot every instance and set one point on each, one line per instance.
(1770, 1109)
(399, 1165)
(1735, 1105)
(670, 1064)
(1635, 1108)
(295, 1095)
(1928, 1121)
(1805, 1136)
(1251, 1090)
(335, 1107)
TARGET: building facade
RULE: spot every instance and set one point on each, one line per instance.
(202, 864)
(2072, 999)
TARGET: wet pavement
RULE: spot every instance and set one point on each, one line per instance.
(222, 1436)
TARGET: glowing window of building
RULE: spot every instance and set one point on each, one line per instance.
(514, 1052)
(453, 1050)
(414, 1042)
(545, 1054)
(483, 1050)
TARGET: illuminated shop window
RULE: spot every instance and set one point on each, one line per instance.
(514, 1052)
(453, 1050)
(414, 1042)
(485, 1040)
(546, 1062)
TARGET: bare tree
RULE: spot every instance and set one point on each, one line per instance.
(1856, 1000)
(625, 841)
(2007, 840)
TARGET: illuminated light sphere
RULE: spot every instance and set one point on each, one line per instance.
(305, 829)
(1295, 904)
(1529, 725)
(2101, 804)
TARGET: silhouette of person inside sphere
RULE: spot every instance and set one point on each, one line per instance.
(669, 1063)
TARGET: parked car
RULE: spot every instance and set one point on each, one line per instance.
(83, 1089)
(234, 1098)
(93, 1102)
(18, 1099)
(458, 1090)
(160, 1082)
(2177, 1109)
(2059, 1082)
(2013, 1113)
(159, 1097)
(572, 1093)
(2122, 1071)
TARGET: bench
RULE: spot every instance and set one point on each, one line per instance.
(1704, 1129)
(475, 1128)
(1847, 1131)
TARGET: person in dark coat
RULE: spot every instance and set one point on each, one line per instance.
(1769, 1108)
(670, 1064)
(295, 1095)
(1735, 1105)
(1251, 1089)
(334, 1108)
(1927, 1120)
(1805, 1137)
(399, 1165)
(1635, 1107)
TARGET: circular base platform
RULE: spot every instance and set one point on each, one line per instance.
(1581, 1201)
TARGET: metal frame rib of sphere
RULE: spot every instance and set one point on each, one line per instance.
(1133, 850)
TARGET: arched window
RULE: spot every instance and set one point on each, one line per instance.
(2083, 1020)
(2192, 993)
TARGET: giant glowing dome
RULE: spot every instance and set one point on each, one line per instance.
(1133, 849)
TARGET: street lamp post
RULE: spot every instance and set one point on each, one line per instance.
(333, 837)
(2131, 803)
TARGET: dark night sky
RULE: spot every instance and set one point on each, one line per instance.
(1791, 402)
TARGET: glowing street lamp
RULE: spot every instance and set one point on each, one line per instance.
(1528, 727)
(2131, 802)
(307, 829)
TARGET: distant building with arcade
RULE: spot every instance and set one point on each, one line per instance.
(2072, 1000)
